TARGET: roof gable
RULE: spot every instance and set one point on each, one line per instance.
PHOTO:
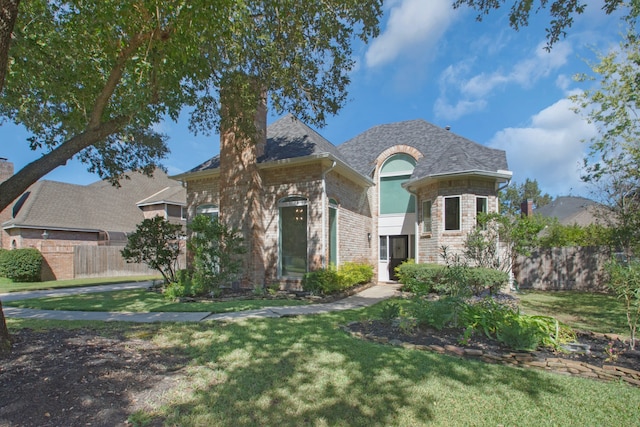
(443, 151)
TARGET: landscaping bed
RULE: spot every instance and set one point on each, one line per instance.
(608, 356)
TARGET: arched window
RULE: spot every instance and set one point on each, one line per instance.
(212, 211)
(293, 236)
(395, 171)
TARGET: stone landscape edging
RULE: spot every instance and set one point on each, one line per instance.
(519, 359)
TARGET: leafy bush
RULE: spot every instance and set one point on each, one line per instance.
(520, 333)
(181, 288)
(390, 310)
(355, 273)
(329, 280)
(323, 281)
(439, 314)
(486, 316)
(480, 278)
(21, 265)
(216, 249)
(419, 279)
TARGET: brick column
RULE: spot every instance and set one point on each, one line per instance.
(241, 191)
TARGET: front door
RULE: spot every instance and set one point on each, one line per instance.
(398, 253)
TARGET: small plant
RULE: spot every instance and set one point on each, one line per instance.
(324, 281)
(390, 310)
(624, 281)
(273, 288)
(407, 325)
(465, 339)
(611, 353)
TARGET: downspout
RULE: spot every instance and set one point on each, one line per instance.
(324, 213)
(512, 279)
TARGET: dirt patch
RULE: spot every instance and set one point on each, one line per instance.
(80, 378)
(601, 346)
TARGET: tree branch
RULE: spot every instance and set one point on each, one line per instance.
(8, 15)
(13, 187)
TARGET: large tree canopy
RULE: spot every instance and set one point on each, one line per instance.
(561, 12)
(90, 78)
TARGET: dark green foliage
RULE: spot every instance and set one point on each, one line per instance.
(440, 314)
(419, 279)
(21, 265)
(216, 249)
(156, 243)
(327, 281)
(480, 278)
(390, 310)
(183, 287)
(324, 281)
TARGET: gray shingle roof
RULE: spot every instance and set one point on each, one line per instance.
(570, 209)
(98, 206)
(287, 138)
(444, 152)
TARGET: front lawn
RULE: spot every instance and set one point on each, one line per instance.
(6, 285)
(141, 300)
(306, 371)
(580, 310)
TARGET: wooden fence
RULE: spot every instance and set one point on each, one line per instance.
(568, 268)
(85, 261)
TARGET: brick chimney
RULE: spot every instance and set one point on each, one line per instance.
(6, 169)
(241, 190)
(526, 207)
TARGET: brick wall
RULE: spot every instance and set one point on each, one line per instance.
(468, 189)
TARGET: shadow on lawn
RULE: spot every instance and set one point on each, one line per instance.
(305, 370)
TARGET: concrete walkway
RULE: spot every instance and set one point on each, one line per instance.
(365, 298)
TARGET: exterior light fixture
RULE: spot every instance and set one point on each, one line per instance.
(45, 234)
(369, 236)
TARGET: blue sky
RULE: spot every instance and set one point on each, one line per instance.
(492, 85)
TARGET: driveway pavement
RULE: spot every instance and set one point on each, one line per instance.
(364, 298)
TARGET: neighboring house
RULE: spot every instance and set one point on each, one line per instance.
(55, 217)
(570, 210)
(397, 191)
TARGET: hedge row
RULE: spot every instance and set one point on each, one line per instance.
(458, 280)
(21, 265)
(329, 280)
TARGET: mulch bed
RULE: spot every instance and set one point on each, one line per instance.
(597, 356)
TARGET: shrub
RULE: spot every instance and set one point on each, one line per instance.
(21, 265)
(390, 310)
(181, 288)
(354, 273)
(520, 333)
(481, 278)
(439, 314)
(216, 250)
(419, 279)
(323, 281)
(329, 280)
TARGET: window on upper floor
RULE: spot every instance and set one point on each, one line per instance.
(452, 213)
(395, 171)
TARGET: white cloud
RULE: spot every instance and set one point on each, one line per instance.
(549, 150)
(412, 24)
(470, 91)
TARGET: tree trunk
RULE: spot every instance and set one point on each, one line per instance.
(8, 15)
(5, 339)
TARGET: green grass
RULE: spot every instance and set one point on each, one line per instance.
(580, 310)
(305, 371)
(7, 285)
(141, 300)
